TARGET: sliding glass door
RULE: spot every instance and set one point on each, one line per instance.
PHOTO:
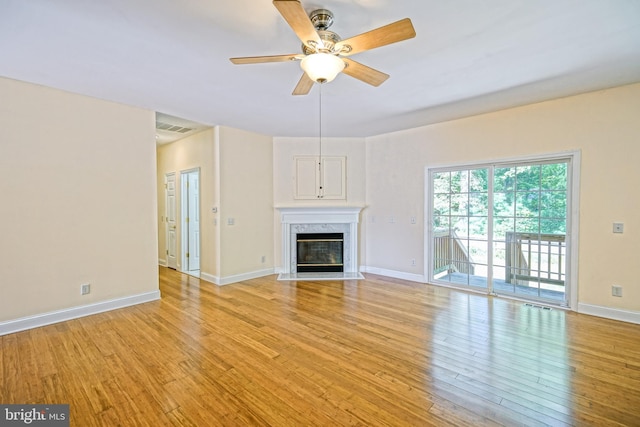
(530, 228)
(502, 228)
(460, 219)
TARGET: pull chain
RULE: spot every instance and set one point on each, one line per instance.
(320, 195)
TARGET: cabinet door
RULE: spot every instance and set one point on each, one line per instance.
(306, 181)
(309, 183)
(334, 182)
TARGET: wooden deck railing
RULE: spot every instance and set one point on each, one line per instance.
(535, 258)
(450, 254)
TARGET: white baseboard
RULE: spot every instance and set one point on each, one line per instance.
(44, 319)
(609, 313)
(221, 281)
(209, 277)
(395, 274)
(162, 262)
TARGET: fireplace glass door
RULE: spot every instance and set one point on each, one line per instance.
(319, 252)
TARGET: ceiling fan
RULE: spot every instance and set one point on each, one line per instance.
(324, 54)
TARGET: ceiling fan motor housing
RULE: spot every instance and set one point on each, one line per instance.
(321, 19)
(329, 39)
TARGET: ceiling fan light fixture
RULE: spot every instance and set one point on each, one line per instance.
(322, 67)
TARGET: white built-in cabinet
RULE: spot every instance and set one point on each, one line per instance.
(323, 178)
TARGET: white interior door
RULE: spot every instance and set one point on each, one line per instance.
(190, 206)
(194, 221)
(170, 219)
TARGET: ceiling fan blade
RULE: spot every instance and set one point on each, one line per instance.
(295, 15)
(364, 73)
(304, 85)
(263, 59)
(382, 36)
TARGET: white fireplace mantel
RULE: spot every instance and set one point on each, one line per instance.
(319, 219)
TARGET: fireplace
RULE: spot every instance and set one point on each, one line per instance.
(324, 223)
(319, 252)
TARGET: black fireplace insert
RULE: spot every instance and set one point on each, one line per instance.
(319, 252)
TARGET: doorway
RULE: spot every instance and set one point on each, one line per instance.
(190, 208)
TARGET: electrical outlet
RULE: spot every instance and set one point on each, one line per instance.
(413, 220)
(618, 227)
(85, 289)
(413, 261)
(263, 259)
(616, 291)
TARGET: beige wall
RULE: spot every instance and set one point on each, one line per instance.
(79, 200)
(236, 178)
(81, 205)
(603, 125)
(246, 197)
(193, 152)
(286, 148)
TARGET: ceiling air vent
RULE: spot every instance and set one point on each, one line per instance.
(172, 128)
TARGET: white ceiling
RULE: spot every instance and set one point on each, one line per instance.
(469, 57)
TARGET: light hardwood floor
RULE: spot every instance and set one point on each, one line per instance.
(374, 352)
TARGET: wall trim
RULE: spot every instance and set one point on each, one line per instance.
(162, 262)
(209, 278)
(38, 320)
(222, 281)
(610, 313)
(395, 274)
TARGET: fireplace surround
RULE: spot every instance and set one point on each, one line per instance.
(319, 220)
